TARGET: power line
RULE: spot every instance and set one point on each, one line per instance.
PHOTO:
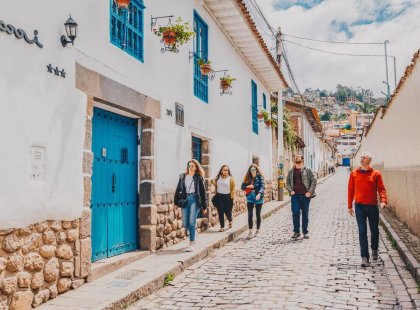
(334, 42)
(334, 53)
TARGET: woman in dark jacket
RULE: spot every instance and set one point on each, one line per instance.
(253, 185)
(190, 195)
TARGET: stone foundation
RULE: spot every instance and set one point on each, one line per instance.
(40, 261)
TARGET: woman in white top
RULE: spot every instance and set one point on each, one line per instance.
(225, 192)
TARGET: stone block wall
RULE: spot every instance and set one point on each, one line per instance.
(41, 261)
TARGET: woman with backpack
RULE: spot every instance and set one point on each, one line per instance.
(190, 195)
(225, 193)
(254, 186)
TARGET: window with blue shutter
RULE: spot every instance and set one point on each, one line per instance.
(196, 148)
(254, 107)
(264, 102)
(201, 88)
(126, 28)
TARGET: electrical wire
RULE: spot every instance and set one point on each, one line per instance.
(334, 53)
(334, 42)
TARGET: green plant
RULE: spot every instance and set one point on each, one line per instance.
(169, 277)
(182, 30)
(228, 79)
(202, 61)
(289, 135)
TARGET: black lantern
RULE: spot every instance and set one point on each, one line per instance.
(71, 30)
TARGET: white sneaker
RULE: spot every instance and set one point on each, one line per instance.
(191, 247)
(250, 235)
(257, 232)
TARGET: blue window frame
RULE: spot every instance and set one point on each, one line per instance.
(196, 148)
(264, 102)
(254, 107)
(127, 29)
(201, 87)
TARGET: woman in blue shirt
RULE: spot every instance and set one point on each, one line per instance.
(253, 185)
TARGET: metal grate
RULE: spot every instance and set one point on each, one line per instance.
(124, 155)
(196, 148)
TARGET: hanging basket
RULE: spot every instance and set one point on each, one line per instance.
(169, 38)
(260, 115)
(205, 69)
(267, 122)
(123, 3)
(225, 85)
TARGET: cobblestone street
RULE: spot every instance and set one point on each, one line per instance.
(272, 272)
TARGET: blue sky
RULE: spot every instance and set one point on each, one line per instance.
(346, 20)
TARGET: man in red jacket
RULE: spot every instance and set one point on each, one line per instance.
(364, 186)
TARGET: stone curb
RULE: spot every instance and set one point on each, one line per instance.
(181, 266)
(411, 262)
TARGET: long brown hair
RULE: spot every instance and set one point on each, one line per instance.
(199, 169)
(220, 172)
(248, 175)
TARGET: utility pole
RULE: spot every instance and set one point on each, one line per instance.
(395, 72)
(386, 68)
(280, 142)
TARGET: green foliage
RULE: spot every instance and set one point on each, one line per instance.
(289, 136)
(169, 277)
(228, 78)
(182, 30)
(326, 116)
(202, 61)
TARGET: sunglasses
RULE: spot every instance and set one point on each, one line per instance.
(252, 169)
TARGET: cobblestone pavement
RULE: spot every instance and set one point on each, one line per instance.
(272, 272)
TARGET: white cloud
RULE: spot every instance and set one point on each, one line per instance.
(353, 21)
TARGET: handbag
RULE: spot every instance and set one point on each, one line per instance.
(214, 199)
(182, 203)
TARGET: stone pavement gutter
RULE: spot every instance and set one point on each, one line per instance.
(130, 283)
(412, 264)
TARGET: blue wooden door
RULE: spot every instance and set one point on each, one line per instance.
(114, 184)
(346, 162)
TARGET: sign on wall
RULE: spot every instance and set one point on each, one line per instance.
(37, 163)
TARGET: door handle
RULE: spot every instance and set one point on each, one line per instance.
(114, 182)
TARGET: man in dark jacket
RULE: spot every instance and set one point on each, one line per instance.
(301, 185)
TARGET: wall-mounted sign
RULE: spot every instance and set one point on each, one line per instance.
(57, 71)
(37, 163)
(19, 33)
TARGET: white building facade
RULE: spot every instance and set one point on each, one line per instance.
(94, 135)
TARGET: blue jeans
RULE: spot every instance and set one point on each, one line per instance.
(371, 213)
(300, 203)
(190, 214)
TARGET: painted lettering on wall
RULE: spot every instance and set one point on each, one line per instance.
(19, 33)
(37, 163)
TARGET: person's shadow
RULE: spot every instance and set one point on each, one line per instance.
(171, 252)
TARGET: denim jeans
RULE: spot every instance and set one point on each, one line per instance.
(300, 203)
(190, 214)
(371, 213)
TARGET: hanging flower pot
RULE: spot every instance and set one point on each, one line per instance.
(267, 122)
(205, 66)
(260, 115)
(226, 83)
(123, 3)
(169, 38)
(174, 35)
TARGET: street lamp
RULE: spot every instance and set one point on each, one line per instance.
(71, 31)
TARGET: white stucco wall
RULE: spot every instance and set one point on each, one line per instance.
(395, 139)
(41, 109)
(38, 109)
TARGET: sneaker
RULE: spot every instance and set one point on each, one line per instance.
(375, 254)
(365, 262)
(250, 235)
(257, 232)
(295, 236)
(189, 249)
(305, 236)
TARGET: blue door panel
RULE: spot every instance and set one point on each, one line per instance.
(114, 185)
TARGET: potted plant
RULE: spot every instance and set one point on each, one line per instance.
(267, 122)
(226, 82)
(205, 66)
(175, 35)
(260, 115)
(122, 3)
